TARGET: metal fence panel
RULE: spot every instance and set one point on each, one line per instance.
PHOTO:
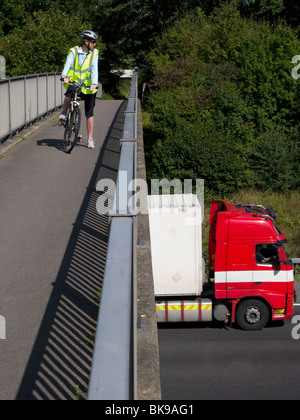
(31, 99)
(17, 103)
(42, 94)
(50, 91)
(59, 91)
(24, 99)
(4, 109)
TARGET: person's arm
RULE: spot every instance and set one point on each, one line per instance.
(259, 257)
(94, 74)
(67, 67)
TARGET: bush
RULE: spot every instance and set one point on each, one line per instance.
(276, 162)
(199, 151)
(223, 104)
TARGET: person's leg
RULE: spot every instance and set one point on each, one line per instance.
(90, 126)
(66, 106)
(90, 101)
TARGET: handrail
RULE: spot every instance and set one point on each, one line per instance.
(24, 99)
(295, 261)
(113, 374)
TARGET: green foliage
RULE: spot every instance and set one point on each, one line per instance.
(221, 88)
(276, 162)
(272, 10)
(76, 8)
(203, 150)
(132, 26)
(266, 8)
(42, 44)
(12, 15)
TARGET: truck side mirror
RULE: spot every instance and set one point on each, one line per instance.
(276, 262)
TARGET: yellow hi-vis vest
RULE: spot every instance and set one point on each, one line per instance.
(82, 74)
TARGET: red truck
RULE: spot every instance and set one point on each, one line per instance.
(250, 278)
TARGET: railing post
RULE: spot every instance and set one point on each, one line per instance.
(9, 108)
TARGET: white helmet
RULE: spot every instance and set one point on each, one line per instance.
(90, 35)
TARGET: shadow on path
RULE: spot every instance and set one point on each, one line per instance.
(60, 362)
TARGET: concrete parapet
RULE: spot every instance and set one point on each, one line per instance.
(148, 369)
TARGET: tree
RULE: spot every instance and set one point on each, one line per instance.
(262, 8)
(77, 8)
(276, 162)
(272, 10)
(222, 86)
(292, 12)
(131, 28)
(12, 15)
(42, 44)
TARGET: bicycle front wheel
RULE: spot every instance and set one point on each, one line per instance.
(72, 130)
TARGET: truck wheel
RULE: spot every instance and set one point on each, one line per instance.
(252, 315)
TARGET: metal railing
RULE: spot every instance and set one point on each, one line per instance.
(113, 375)
(296, 262)
(25, 99)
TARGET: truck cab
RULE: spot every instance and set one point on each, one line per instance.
(249, 264)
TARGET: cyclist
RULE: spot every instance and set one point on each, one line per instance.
(82, 66)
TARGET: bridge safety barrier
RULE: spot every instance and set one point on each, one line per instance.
(113, 375)
(25, 99)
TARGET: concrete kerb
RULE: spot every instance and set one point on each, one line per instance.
(148, 366)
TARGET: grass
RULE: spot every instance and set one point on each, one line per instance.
(121, 90)
(107, 97)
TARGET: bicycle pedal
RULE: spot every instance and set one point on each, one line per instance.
(79, 138)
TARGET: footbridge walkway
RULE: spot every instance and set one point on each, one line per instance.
(55, 247)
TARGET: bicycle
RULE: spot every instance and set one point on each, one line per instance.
(73, 118)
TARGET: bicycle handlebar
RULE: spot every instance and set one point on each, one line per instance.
(78, 84)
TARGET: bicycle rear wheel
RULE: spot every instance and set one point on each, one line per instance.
(72, 128)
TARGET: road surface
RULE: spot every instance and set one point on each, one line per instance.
(209, 362)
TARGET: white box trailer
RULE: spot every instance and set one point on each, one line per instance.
(176, 244)
(177, 262)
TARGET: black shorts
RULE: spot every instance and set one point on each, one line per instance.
(89, 102)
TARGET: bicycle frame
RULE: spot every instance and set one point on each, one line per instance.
(72, 124)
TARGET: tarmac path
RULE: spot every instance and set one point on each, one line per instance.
(52, 252)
